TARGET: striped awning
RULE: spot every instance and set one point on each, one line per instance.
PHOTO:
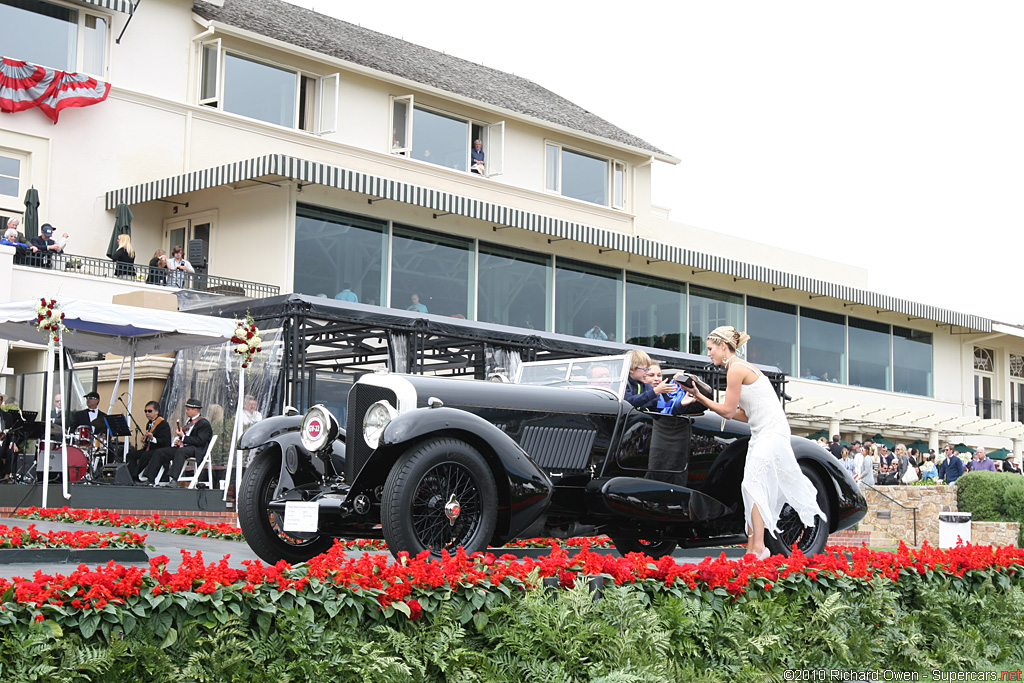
(126, 6)
(447, 202)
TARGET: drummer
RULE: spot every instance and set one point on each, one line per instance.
(86, 418)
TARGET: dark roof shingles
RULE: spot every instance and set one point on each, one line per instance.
(327, 35)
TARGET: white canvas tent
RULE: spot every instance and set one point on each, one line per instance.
(127, 331)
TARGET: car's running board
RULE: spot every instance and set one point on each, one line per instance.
(650, 499)
(714, 541)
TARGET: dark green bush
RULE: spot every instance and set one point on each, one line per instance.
(1013, 504)
(981, 494)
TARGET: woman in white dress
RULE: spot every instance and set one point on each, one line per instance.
(771, 476)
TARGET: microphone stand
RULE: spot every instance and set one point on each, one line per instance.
(138, 429)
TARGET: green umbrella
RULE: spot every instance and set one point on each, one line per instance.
(817, 435)
(999, 454)
(122, 226)
(963, 448)
(31, 222)
(920, 445)
(882, 441)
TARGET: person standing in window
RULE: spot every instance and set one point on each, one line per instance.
(124, 257)
(178, 266)
(477, 158)
(416, 305)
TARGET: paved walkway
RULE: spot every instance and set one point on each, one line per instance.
(214, 549)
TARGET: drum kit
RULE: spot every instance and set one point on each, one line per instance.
(87, 453)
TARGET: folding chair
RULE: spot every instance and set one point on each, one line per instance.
(197, 470)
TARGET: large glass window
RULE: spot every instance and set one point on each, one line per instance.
(40, 33)
(822, 346)
(10, 176)
(870, 354)
(514, 287)
(430, 273)
(655, 312)
(335, 252)
(710, 308)
(772, 329)
(259, 90)
(440, 139)
(911, 361)
(588, 300)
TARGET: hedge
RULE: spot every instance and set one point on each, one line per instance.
(482, 618)
(992, 497)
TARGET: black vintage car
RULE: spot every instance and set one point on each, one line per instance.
(434, 463)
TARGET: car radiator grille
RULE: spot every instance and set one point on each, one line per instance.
(360, 399)
(558, 448)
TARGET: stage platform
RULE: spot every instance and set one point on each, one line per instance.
(141, 501)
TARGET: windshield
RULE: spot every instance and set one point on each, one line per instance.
(605, 372)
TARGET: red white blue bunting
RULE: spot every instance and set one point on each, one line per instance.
(24, 86)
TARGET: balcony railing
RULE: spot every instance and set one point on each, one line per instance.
(988, 409)
(196, 282)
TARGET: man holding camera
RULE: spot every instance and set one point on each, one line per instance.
(178, 266)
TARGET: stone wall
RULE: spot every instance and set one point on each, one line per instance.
(898, 522)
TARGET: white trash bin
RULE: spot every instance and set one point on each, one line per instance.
(953, 526)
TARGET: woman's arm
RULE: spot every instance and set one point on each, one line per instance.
(730, 407)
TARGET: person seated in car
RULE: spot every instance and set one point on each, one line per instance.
(686, 405)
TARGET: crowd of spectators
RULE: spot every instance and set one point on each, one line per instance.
(875, 464)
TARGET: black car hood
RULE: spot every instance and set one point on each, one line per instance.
(470, 394)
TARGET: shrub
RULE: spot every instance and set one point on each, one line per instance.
(981, 494)
(1013, 504)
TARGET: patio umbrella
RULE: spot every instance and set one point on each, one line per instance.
(920, 445)
(963, 448)
(882, 441)
(817, 435)
(999, 454)
(24, 86)
(122, 226)
(31, 221)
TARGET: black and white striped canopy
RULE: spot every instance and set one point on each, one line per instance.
(447, 202)
(126, 6)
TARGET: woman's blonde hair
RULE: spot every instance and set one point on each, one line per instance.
(730, 336)
(158, 253)
(124, 241)
(639, 359)
(899, 448)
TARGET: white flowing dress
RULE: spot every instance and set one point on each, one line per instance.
(772, 477)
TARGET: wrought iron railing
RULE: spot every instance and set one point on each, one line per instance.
(988, 409)
(913, 510)
(197, 282)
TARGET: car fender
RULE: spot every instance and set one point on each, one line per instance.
(265, 430)
(845, 499)
(308, 469)
(524, 490)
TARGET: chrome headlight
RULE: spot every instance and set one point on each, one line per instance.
(319, 428)
(377, 417)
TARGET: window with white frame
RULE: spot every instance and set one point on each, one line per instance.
(584, 176)
(11, 167)
(259, 89)
(446, 139)
(55, 35)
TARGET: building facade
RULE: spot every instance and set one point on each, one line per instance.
(292, 152)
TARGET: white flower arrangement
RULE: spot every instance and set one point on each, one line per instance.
(247, 340)
(49, 318)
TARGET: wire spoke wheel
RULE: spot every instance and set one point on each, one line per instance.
(439, 496)
(809, 540)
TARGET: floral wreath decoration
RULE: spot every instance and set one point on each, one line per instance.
(50, 319)
(247, 340)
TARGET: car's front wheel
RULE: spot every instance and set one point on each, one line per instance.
(439, 495)
(810, 540)
(654, 549)
(261, 526)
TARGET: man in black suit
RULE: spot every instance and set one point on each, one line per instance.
(193, 439)
(85, 418)
(158, 435)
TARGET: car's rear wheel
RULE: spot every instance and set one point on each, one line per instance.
(261, 526)
(654, 549)
(810, 540)
(439, 495)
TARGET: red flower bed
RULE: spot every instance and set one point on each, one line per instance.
(413, 586)
(191, 527)
(17, 538)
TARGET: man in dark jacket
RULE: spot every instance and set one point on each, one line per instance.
(836, 448)
(46, 246)
(92, 412)
(952, 468)
(192, 441)
(157, 436)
